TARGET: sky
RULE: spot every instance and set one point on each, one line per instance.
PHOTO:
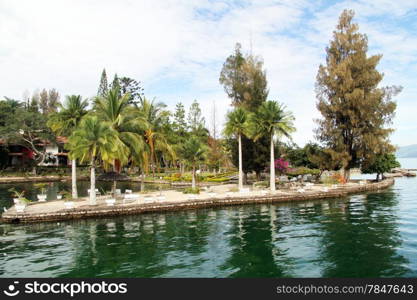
(176, 49)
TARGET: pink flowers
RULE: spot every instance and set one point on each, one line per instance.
(281, 165)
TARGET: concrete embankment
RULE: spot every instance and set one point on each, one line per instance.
(51, 178)
(55, 211)
(398, 172)
(11, 179)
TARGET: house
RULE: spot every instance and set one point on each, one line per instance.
(18, 155)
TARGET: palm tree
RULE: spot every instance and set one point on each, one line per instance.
(93, 140)
(194, 152)
(236, 124)
(269, 120)
(154, 117)
(125, 120)
(65, 122)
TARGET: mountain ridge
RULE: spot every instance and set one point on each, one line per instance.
(407, 151)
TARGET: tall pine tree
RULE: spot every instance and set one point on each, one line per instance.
(196, 121)
(244, 81)
(104, 86)
(179, 124)
(133, 87)
(115, 85)
(355, 111)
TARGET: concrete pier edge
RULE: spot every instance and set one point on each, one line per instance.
(132, 209)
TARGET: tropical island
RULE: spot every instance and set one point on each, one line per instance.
(124, 136)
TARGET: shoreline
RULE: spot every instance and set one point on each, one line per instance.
(101, 210)
(56, 178)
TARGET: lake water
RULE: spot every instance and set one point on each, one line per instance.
(368, 235)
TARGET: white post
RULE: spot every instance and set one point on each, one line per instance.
(272, 165)
(142, 183)
(193, 180)
(240, 163)
(74, 178)
(93, 184)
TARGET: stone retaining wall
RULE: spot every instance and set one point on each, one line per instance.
(105, 211)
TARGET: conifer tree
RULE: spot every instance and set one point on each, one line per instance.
(195, 120)
(34, 102)
(53, 100)
(244, 81)
(43, 101)
(133, 87)
(48, 101)
(355, 111)
(104, 86)
(179, 124)
(115, 85)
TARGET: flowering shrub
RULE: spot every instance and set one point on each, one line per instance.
(281, 165)
(339, 178)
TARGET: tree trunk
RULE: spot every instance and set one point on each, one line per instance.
(117, 166)
(93, 184)
(240, 163)
(346, 174)
(193, 180)
(114, 188)
(377, 176)
(153, 164)
(245, 178)
(142, 182)
(74, 178)
(272, 166)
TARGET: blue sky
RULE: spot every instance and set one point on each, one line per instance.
(176, 49)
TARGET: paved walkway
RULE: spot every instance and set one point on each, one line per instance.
(174, 200)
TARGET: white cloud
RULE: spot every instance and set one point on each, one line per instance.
(176, 48)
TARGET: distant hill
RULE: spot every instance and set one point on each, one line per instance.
(407, 151)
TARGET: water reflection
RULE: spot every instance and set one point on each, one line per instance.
(252, 242)
(359, 236)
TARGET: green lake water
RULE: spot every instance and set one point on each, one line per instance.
(367, 235)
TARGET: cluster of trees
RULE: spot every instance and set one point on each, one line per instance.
(255, 121)
(121, 127)
(24, 123)
(356, 113)
(124, 128)
(353, 131)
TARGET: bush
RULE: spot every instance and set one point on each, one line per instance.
(302, 171)
(191, 190)
(221, 177)
(172, 178)
(336, 178)
(217, 179)
(263, 184)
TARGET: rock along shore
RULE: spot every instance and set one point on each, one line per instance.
(57, 212)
